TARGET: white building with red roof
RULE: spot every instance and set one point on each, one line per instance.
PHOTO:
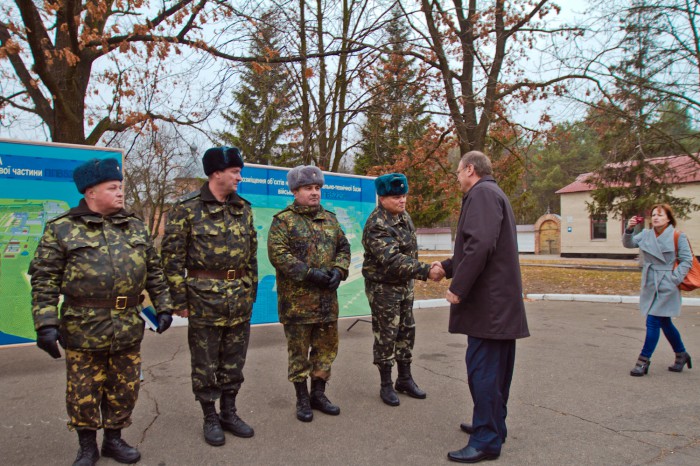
(584, 236)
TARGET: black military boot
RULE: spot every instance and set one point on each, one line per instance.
(87, 454)
(213, 434)
(319, 400)
(387, 393)
(230, 420)
(304, 412)
(405, 383)
(113, 446)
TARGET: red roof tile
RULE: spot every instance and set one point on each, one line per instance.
(682, 169)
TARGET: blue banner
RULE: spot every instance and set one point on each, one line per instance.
(352, 198)
(36, 184)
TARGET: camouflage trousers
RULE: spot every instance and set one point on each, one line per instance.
(312, 349)
(393, 324)
(217, 356)
(100, 382)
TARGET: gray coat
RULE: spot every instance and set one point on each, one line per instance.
(659, 295)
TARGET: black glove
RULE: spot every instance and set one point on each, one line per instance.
(318, 277)
(334, 282)
(46, 338)
(164, 321)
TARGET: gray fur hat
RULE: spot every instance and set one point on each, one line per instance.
(304, 175)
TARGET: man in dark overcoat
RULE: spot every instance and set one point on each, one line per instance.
(486, 303)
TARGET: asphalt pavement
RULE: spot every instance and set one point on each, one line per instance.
(572, 402)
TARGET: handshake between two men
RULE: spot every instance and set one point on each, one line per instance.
(437, 273)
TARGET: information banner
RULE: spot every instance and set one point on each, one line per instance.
(36, 184)
(352, 199)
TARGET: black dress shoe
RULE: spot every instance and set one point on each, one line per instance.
(468, 428)
(470, 455)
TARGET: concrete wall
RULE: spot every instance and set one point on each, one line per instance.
(435, 241)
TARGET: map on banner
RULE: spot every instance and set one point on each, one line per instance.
(36, 184)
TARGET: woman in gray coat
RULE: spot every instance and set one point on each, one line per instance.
(660, 298)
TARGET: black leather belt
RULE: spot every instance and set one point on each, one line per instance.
(216, 274)
(119, 302)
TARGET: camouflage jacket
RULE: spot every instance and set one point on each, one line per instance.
(391, 249)
(300, 238)
(203, 233)
(85, 255)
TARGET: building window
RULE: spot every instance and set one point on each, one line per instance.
(599, 227)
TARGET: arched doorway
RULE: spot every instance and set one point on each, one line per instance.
(548, 234)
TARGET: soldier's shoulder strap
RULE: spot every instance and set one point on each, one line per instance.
(59, 217)
(188, 197)
(329, 212)
(283, 212)
(244, 199)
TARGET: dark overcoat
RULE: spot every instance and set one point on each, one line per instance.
(485, 268)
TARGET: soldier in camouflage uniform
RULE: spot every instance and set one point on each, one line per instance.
(311, 254)
(390, 266)
(100, 258)
(209, 257)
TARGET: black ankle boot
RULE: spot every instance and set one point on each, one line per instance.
(304, 412)
(319, 400)
(387, 393)
(230, 420)
(213, 433)
(681, 360)
(641, 368)
(113, 446)
(405, 383)
(88, 453)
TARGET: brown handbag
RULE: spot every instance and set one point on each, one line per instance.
(692, 280)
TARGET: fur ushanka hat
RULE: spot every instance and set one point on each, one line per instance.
(304, 175)
(220, 158)
(96, 171)
(391, 184)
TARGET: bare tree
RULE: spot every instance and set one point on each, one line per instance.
(329, 97)
(477, 50)
(641, 62)
(73, 65)
(154, 159)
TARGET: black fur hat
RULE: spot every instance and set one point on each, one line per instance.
(96, 171)
(221, 158)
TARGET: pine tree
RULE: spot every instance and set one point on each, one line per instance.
(396, 114)
(632, 124)
(263, 102)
